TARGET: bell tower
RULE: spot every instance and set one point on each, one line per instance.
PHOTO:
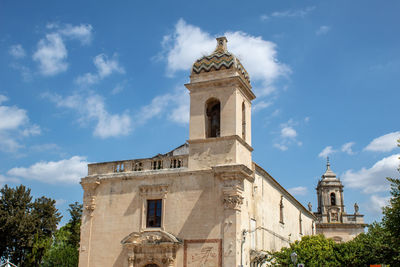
(332, 219)
(220, 111)
(330, 197)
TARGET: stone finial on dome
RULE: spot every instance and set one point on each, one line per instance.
(221, 45)
(328, 173)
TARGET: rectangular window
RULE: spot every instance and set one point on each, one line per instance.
(154, 207)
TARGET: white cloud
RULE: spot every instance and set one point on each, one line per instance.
(264, 17)
(17, 51)
(14, 124)
(347, 148)
(51, 55)
(293, 13)
(260, 105)
(298, 191)
(60, 202)
(288, 132)
(175, 105)
(287, 136)
(376, 203)
(92, 107)
(5, 180)
(12, 117)
(117, 89)
(64, 171)
(384, 143)
(326, 152)
(259, 56)
(323, 30)
(82, 32)
(373, 180)
(107, 66)
(3, 98)
(281, 147)
(104, 66)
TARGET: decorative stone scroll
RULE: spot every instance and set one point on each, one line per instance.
(89, 198)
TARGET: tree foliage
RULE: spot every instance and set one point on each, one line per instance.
(64, 250)
(26, 227)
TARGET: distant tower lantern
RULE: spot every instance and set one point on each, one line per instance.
(333, 221)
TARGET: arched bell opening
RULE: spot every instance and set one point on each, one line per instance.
(333, 199)
(213, 118)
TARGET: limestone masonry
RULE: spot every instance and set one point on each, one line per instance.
(205, 203)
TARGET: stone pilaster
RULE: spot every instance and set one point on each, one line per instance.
(232, 185)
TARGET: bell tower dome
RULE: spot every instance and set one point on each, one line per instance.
(220, 110)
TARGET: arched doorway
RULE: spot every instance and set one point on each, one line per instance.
(151, 265)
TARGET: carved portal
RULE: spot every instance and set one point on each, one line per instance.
(151, 247)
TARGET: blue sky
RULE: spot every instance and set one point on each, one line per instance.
(94, 81)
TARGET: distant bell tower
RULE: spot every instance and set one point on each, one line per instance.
(330, 196)
(220, 111)
(332, 220)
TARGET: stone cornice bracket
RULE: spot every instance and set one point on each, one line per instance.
(232, 197)
(89, 200)
(153, 190)
(229, 172)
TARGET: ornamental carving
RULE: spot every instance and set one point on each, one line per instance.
(151, 190)
(232, 197)
(233, 202)
(148, 247)
(89, 197)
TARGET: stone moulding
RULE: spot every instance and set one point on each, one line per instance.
(233, 172)
(214, 139)
(156, 189)
(232, 81)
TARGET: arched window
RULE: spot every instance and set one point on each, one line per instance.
(213, 113)
(243, 121)
(333, 199)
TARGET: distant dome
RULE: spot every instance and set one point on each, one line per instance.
(220, 59)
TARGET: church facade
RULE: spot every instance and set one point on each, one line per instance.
(205, 203)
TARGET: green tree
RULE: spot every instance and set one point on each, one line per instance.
(64, 250)
(25, 226)
(311, 250)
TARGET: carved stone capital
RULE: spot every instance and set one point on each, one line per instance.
(89, 199)
(232, 197)
(233, 202)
